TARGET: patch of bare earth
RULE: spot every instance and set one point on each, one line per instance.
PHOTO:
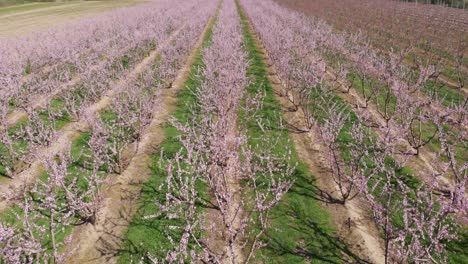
(70, 132)
(351, 221)
(99, 243)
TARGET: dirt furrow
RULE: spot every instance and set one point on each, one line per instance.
(72, 130)
(99, 243)
(213, 219)
(235, 215)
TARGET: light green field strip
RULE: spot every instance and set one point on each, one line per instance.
(31, 10)
(4, 4)
(21, 9)
(38, 17)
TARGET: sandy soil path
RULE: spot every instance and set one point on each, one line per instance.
(216, 238)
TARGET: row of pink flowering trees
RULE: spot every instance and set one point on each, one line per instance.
(416, 222)
(102, 48)
(437, 32)
(383, 80)
(242, 184)
(41, 63)
(33, 230)
(96, 78)
(390, 99)
(389, 94)
(45, 59)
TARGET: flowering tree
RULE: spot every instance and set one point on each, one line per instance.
(44, 212)
(415, 123)
(416, 223)
(37, 132)
(11, 155)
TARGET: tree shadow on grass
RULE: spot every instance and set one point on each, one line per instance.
(3, 174)
(457, 252)
(151, 235)
(301, 236)
(306, 186)
(301, 229)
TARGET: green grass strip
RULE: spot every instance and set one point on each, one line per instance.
(301, 231)
(307, 211)
(149, 236)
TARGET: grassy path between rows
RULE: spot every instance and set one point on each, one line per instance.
(455, 248)
(149, 236)
(302, 229)
(306, 221)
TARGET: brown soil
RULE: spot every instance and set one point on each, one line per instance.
(216, 239)
(100, 242)
(361, 235)
(236, 251)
